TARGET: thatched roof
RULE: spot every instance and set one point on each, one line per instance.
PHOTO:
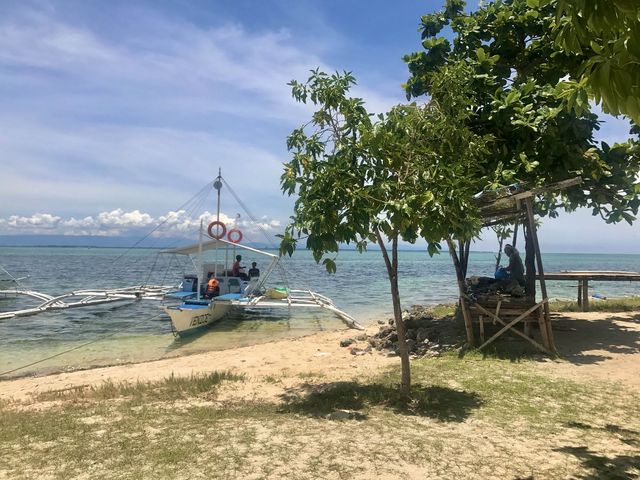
(505, 204)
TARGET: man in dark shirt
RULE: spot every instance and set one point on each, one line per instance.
(515, 268)
(254, 271)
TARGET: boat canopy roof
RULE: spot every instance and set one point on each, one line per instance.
(212, 245)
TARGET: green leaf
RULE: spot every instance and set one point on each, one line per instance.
(330, 265)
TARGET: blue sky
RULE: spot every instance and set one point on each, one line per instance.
(114, 113)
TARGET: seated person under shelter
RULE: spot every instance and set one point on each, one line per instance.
(515, 269)
(509, 279)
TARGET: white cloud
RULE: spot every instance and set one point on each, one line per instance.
(135, 223)
(37, 221)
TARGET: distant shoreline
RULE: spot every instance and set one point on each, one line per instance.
(262, 247)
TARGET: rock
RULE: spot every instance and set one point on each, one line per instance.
(362, 338)
(422, 334)
(385, 331)
(381, 322)
(393, 337)
(346, 342)
(339, 415)
(358, 351)
(411, 333)
(411, 345)
(344, 415)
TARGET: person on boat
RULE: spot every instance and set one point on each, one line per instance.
(254, 271)
(213, 287)
(515, 269)
(236, 269)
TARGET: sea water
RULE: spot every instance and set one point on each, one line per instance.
(136, 331)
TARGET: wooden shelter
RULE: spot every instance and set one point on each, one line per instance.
(514, 205)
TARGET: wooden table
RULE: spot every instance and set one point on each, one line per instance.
(583, 278)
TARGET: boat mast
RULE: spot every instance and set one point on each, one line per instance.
(217, 184)
(200, 261)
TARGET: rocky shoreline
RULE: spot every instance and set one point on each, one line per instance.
(427, 335)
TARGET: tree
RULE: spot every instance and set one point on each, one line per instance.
(604, 35)
(410, 174)
(542, 129)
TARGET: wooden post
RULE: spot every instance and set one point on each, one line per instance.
(543, 284)
(542, 324)
(580, 294)
(465, 264)
(585, 295)
(481, 322)
(530, 264)
(527, 328)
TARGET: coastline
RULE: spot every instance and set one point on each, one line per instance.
(594, 346)
(318, 352)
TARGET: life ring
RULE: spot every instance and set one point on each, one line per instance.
(219, 224)
(238, 232)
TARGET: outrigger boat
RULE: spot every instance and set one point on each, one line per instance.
(233, 291)
(197, 309)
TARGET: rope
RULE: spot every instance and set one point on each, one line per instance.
(77, 347)
(203, 191)
(254, 219)
(13, 279)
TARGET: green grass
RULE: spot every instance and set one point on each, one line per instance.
(472, 416)
(170, 388)
(628, 304)
(444, 310)
(311, 375)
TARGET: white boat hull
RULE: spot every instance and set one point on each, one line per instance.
(189, 317)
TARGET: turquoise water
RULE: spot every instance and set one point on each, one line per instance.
(137, 331)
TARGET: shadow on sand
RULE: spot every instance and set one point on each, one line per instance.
(603, 466)
(615, 334)
(440, 403)
(575, 339)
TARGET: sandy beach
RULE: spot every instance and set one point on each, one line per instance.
(603, 346)
(308, 408)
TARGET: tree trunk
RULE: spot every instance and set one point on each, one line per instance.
(460, 276)
(392, 271)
